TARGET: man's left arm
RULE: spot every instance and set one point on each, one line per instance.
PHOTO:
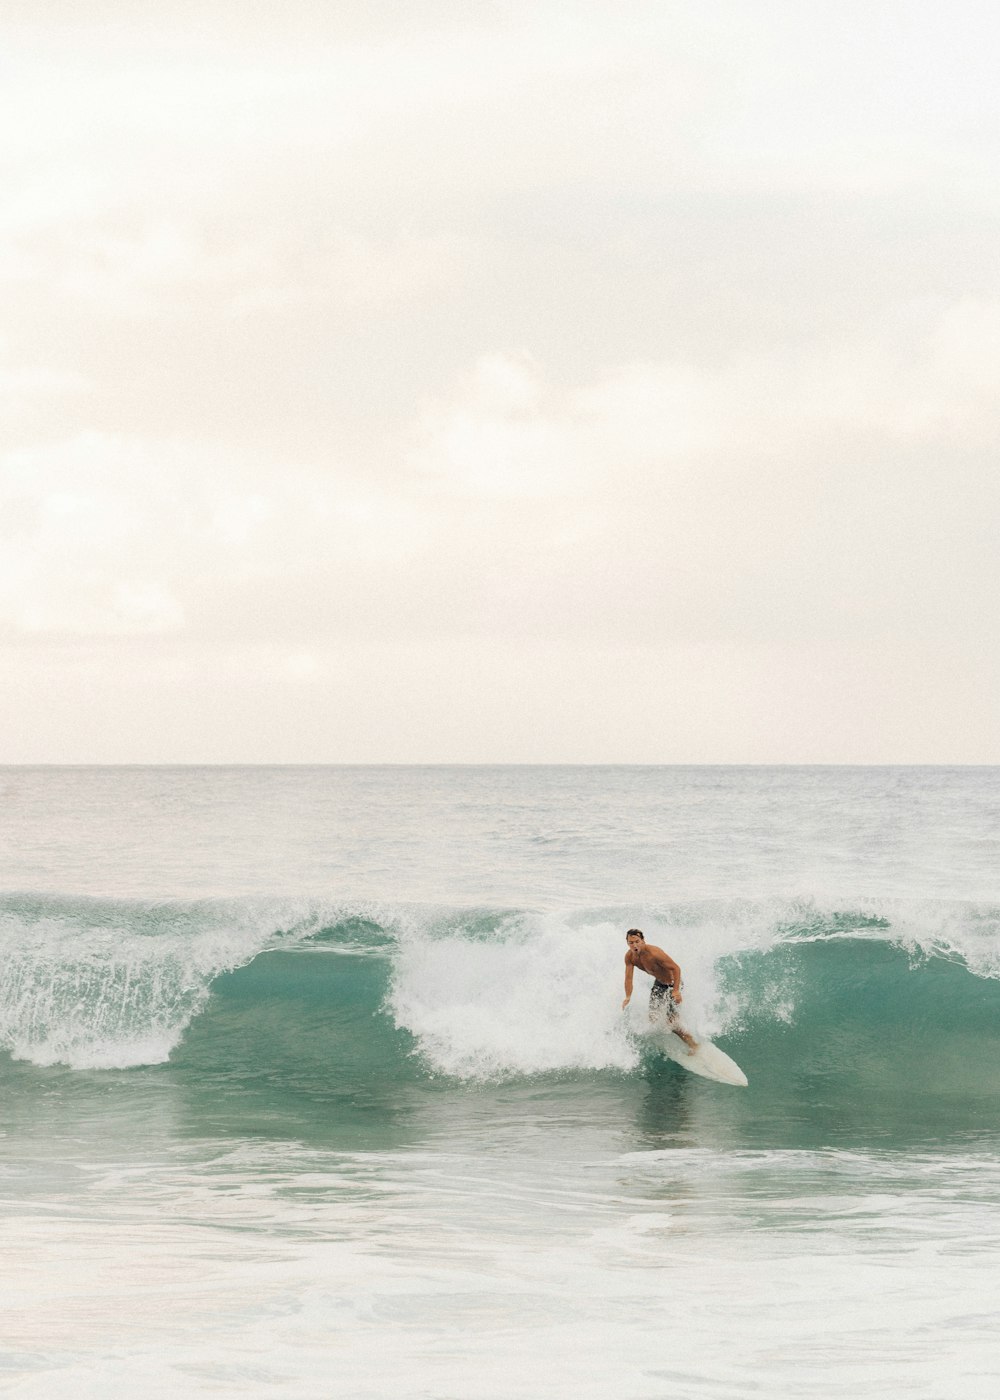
(674, 978)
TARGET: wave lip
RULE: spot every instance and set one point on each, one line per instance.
(101, 984)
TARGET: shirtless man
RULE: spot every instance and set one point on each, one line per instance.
(666, 990)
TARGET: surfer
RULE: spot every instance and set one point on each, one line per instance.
(665, 994)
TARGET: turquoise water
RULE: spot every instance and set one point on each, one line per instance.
(316, 1082)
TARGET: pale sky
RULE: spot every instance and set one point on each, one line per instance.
(484, 382)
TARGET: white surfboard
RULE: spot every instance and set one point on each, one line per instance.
(708, 1060)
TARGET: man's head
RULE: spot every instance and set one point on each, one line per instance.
(635, 938)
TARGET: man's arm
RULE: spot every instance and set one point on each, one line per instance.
(628, 981)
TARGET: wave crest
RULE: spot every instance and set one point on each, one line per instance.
(481, 994)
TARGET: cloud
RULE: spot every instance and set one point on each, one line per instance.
(498, 437)
(785, 497)
(117, 266)
(26, 389)
(113, 536)
(930, 373)
(836, 492)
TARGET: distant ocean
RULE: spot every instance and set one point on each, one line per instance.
(315, 1082)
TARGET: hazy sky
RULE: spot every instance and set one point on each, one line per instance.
(499, 382)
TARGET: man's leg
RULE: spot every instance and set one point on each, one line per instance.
(663, 1009)
(684, 1035)
(673, 1021)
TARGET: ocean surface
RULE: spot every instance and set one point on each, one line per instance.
(315, 1082)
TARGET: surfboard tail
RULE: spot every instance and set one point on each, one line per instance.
(708, 1061)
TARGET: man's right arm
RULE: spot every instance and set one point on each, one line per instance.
(628, 982)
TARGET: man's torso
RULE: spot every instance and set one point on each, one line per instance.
(652, 960)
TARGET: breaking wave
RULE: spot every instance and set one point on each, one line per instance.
(908, 993)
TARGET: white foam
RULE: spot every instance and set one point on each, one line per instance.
(546, 996)
(107, 986)
(449, 1276)
(542, 998)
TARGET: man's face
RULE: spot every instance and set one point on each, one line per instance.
(634, 942)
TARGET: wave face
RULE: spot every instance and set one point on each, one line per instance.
(893, 1005)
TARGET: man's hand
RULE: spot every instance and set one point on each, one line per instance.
(677, 995)
(626, 1002)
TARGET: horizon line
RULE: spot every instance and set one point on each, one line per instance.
(487, 763)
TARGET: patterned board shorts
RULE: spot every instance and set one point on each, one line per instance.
(661, 997)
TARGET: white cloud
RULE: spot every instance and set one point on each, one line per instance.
(111, 536)
(791, 497)
(114, 266)
(930, 373)
(498, 438)
(28, 387)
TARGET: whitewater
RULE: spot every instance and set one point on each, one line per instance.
(315, 1082)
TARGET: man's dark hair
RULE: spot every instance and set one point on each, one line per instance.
(638, 933)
